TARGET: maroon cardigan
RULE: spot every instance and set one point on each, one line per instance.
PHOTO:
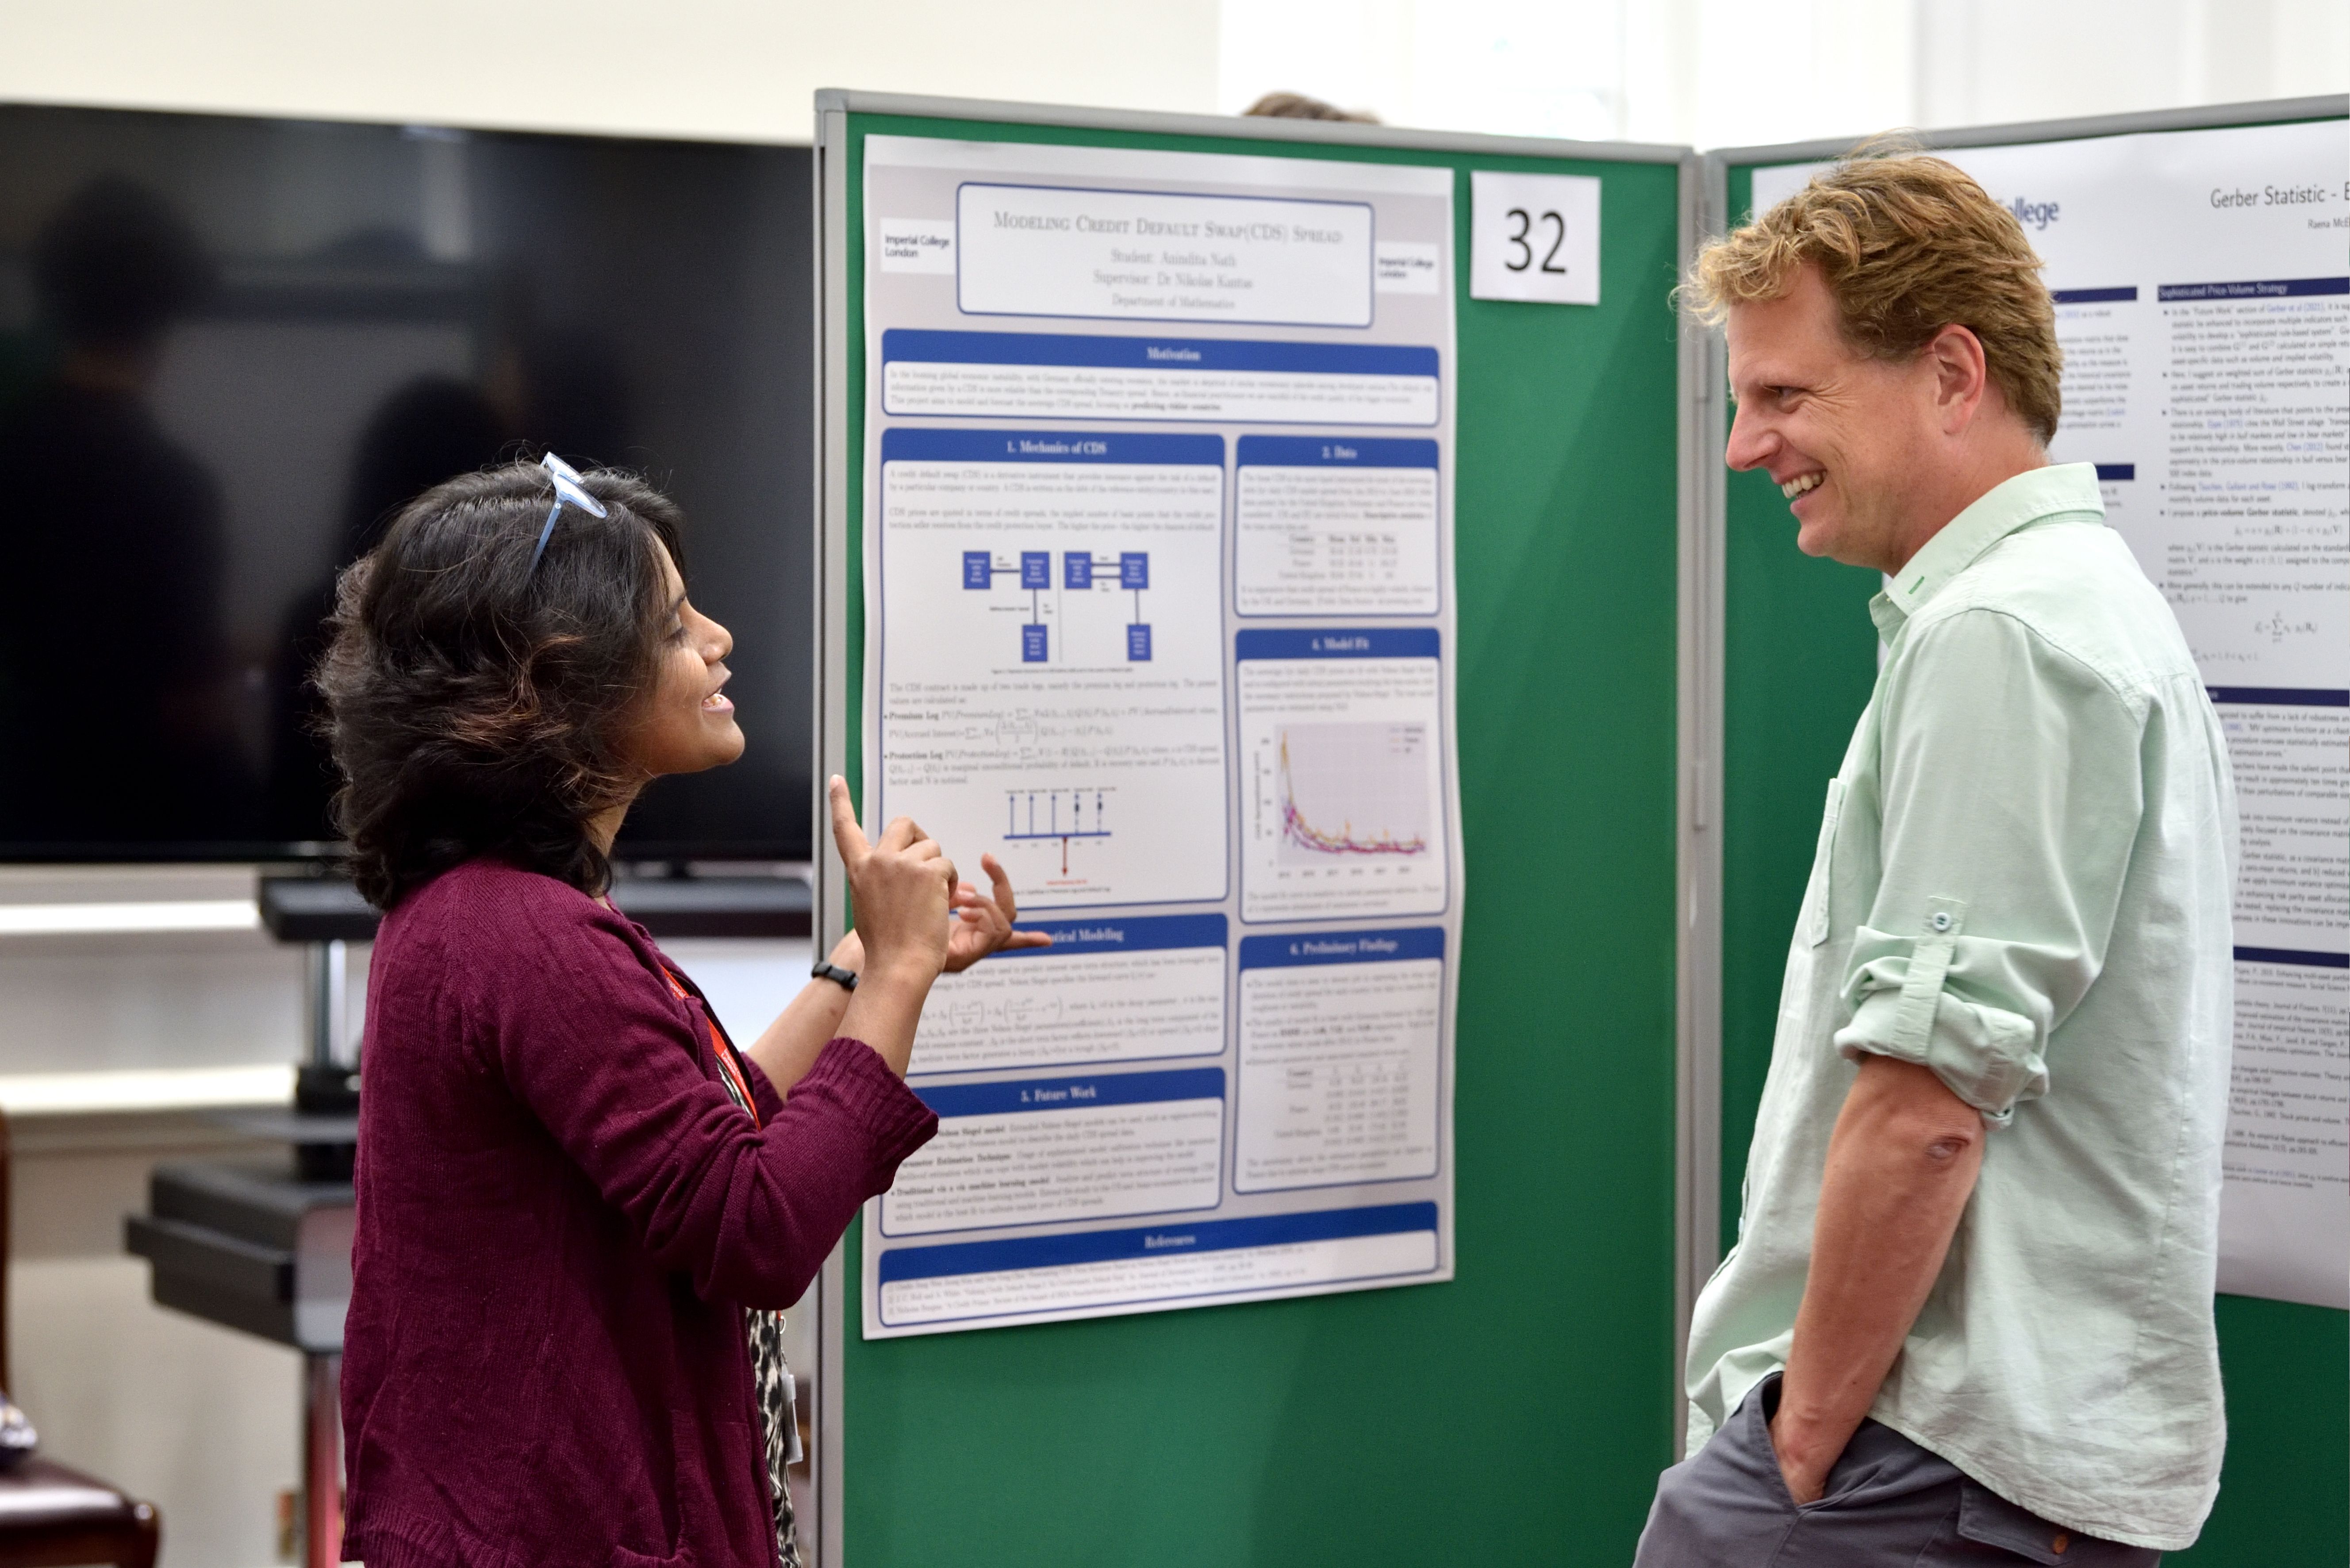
(561, 1217)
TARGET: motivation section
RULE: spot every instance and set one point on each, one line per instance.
(1134, 987)
(1340, 1048)
(1343, 796)
(1041, 1151)
(1100, 1272)
(1051, 376)
(1330, 526)
(1051, 684)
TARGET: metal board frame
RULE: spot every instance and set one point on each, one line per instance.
(1697, 720)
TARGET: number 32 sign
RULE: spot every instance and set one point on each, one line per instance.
(1534, 237)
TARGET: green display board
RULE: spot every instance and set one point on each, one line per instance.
(1521, 1412)
(1800, 658)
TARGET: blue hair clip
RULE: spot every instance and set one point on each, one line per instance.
(567, 492)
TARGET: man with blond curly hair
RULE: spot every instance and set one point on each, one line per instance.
(1969, 1315)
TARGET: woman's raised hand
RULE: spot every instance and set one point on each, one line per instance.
(986, 923)
(903, 884)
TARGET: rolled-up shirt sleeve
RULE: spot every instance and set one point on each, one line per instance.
(2013, 790)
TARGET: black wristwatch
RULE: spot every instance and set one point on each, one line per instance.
(844, 978)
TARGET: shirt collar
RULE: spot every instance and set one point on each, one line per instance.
(2059, 490)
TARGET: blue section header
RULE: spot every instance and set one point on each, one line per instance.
(1073, 1093)
(2281, 696)
(1048, 446)
(1152, 1241)
(1154, 353)
(1351, 452)
(1406, 642)
(2277, 288)
(1147, 933)
(1343, 947)
(2289, 955)
(2093, 295)
(2108, 471)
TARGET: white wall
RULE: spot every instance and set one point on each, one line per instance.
(1720, 73)
(729, 69)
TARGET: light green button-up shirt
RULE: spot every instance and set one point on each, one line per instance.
(2023, 882)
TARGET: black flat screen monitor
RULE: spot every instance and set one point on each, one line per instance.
(231, 349)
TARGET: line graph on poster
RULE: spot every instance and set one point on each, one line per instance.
(1347, 794)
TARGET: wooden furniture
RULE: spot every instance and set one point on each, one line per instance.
(51, 1515)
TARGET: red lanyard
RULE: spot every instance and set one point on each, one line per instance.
(719, 1048)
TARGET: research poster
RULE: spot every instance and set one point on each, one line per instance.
(2202, 287)
(1159, 601)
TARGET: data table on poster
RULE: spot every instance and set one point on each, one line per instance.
(1158, 549)
(2203, 289)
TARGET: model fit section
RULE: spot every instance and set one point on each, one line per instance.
(1339, 1056)
(1343, 798)
(1044, 376)
(1158, 255)
(1050, 681)
(1101, 1273)
(1125, 989)
(1330, 526)
(1038, 1150)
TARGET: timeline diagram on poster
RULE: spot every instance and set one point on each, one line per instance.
(1158, 579)
(1344, 784)
(2202, 294)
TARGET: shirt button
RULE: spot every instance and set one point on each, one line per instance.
(1942, 922)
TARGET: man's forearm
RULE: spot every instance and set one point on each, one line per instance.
(1901, 1163)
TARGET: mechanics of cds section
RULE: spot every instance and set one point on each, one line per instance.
(1051, 685)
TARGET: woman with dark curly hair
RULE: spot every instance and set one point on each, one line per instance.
(581, 1210)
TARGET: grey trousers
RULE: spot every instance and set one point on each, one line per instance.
(1888, 1504)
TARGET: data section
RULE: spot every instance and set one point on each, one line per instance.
(1326, 525)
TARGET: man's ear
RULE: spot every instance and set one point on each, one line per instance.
(1961, 376)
